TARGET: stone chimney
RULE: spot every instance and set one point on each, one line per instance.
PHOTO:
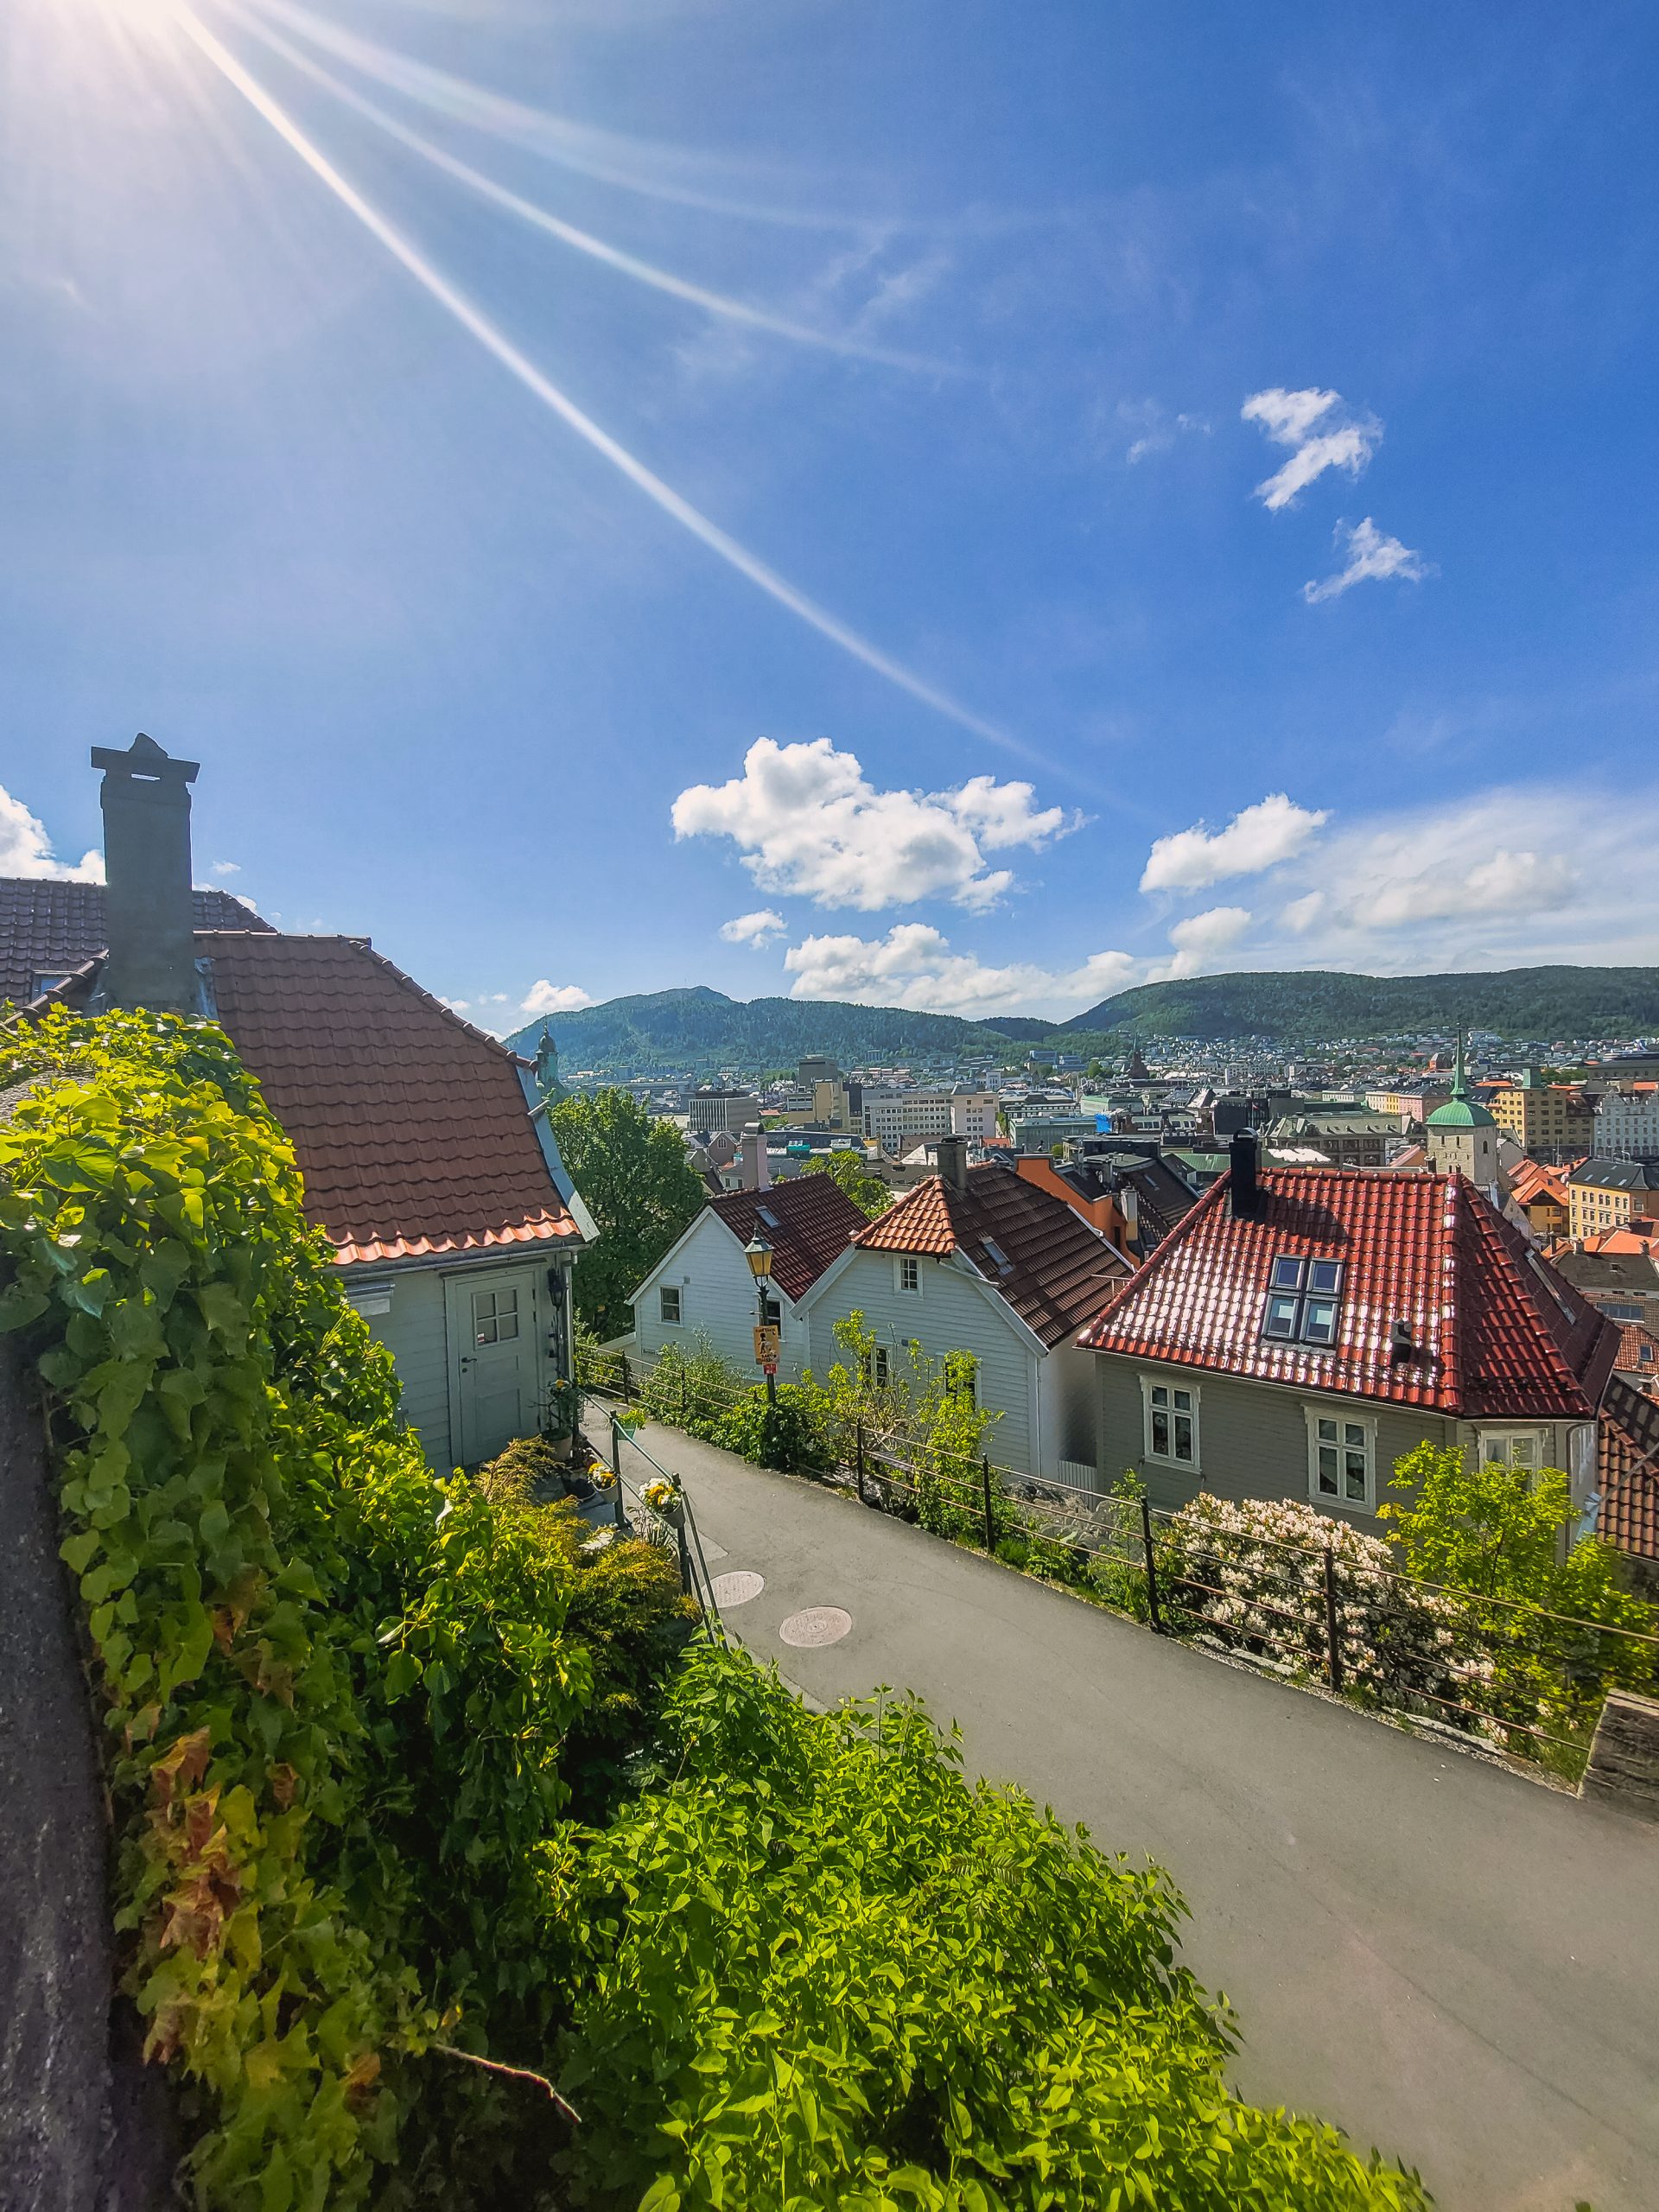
(953, 1153)
(757, 1168)
(152, 952)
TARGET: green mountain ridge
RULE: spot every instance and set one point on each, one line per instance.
(1530, 1002)
(698, 1030)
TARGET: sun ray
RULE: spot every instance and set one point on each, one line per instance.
(474, 320)
(543, 218)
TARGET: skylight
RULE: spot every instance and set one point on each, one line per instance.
(1304, 1301)
(766, 1215)
(999, 1259)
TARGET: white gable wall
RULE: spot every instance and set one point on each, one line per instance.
(717, 1303)
(953, 1314)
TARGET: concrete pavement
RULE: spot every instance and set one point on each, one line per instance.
(1452, 1962)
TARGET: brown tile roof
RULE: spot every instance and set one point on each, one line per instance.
(1059, 1273)
(1628, 1471)
(51, 927)
(1531, 1180)
(1501, 1334)
(411, 1127)
(1638, 1349)
(813, 1221)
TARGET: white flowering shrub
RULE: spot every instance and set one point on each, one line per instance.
(1251, 1576)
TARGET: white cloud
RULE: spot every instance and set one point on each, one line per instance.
(914, 966)
(1321, 436)
(1156, 430)
(554, 998)
(1261, 836)
(1370, 555)
(1503, 878)
(227, 867)
(455, 1005)
(1201, 938)
(808, 823)
(25, 849)
(757, 929)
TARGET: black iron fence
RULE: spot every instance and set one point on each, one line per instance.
(1486, 1671)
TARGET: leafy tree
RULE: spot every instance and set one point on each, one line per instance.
(867, 1193)
(817, 1968)
(640, 1189)
(1495, 1532)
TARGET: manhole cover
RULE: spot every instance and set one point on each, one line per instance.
(736, 1589)
(818, 1624)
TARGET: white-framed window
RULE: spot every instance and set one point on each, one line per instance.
(1520, 1448)
(495, 1316)
(669, 1306)
(910, 1274)
(1341, 1459)
(1172, 1423)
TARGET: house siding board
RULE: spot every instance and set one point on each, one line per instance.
(1252, 1439)
(414, 1333)
(718, 1303)
(952, 1314)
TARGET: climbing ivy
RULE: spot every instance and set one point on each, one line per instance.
(335, 1689)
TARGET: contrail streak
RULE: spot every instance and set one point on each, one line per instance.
(552, 135)
(474, 321)
(662, 279)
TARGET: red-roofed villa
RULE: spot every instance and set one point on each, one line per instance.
(1304, 1328)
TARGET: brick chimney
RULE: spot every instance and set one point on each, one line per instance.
(1242, 1187)
(152, 953)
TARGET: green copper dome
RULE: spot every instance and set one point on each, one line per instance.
(1461, 1111)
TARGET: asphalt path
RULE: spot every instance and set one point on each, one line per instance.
(1453, 1962)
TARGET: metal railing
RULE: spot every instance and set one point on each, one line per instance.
(671, 1526)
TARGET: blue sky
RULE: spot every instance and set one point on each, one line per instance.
(1197, 512)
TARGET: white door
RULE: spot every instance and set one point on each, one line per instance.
(493, 1339)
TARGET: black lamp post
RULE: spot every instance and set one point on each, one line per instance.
(758, 1253)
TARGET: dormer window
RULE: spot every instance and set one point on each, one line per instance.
(1304, 1301)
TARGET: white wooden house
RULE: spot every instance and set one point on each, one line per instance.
(979, 1260)
(702, 1291)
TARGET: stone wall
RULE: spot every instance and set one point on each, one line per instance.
(1623, 1768)
(84, 2127)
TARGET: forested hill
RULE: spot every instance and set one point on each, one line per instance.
(1532, 1002)
(697, 1030)
(700, 1030)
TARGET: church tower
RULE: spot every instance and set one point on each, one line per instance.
(1463, 1134)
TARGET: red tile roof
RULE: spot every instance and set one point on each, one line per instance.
(813, 1222)
(1531, 1180)
(1501, 1334)
(1638, 1349)
(51, 927)
(411, 1127)
(1628, 1471)
(1059, 1272)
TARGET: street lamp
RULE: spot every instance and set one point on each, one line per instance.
(758, 1253)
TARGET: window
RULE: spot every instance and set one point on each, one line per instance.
(1521, 1448)
(998, 1258)
(1171, 1412)
(668, 1305)
(1622, 1313)
(881, 1367)
(766, 1215)
(1304, 1301)
(771, 1313)
(910, 1272)
(495, 1316)
(1341, 1461)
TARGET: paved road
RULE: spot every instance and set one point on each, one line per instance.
(1455, 1964)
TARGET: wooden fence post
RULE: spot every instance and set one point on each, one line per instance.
(616, 1469)
(990, 1523)
(1154, 1612)
(858, 1459)
(1332, 1623)
(627, 1380)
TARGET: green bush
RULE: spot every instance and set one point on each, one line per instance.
(789, 1434)
(821, 1970)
